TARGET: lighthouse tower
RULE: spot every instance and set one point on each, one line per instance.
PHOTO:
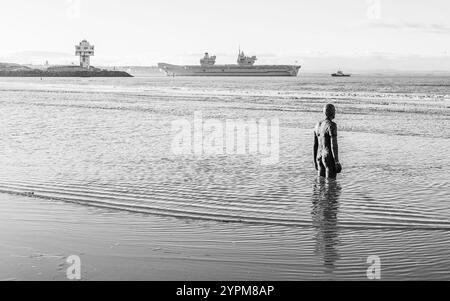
(85, 51)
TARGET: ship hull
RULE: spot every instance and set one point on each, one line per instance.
(229, 70)
(337, 75)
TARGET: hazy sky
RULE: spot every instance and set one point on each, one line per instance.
(281, 31)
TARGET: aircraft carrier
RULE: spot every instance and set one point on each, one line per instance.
(245, 67)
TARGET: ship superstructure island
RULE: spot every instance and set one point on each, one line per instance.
(245, 67)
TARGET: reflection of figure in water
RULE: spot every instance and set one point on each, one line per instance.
(325, 209)
(326, 154)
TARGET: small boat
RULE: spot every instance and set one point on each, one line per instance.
(340, 74)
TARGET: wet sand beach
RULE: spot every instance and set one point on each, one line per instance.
(37, 236)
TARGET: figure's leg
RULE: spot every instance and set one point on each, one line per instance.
(330, 167)
(330, 174)
(322, 169)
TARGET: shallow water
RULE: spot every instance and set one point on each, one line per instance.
(107, 143)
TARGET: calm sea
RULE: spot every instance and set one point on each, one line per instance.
(108, 143)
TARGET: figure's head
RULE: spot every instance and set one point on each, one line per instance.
(330, 111)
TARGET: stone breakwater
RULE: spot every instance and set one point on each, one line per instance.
(14, 70)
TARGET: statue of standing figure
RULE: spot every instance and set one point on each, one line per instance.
(326, 150)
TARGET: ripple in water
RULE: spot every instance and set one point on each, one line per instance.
(111, 149)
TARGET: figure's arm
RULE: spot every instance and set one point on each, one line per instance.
(335, 149)
(316, 147)
(334, 143)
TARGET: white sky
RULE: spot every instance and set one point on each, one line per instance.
(178, 31)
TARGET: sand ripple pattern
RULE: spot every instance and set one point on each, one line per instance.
(183, 202)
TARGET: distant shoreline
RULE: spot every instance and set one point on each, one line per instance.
(66, 74)
(16, 70)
